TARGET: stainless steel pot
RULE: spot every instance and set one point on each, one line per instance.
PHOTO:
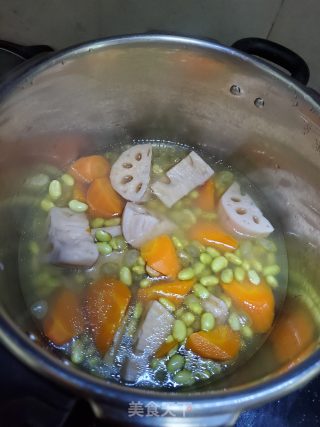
(172, 88)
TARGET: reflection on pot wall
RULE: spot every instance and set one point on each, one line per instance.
(61, 24)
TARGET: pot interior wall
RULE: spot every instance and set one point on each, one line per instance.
(81, 102)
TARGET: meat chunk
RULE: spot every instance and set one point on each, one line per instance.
(151, 333)
(217, 307)
(130, 174)
(140, 225)
(70, 239)
(188, 174)
(241, 216)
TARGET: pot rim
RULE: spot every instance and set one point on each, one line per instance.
(81, 382)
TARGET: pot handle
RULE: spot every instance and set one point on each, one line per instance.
(276, 53)
(24, 52)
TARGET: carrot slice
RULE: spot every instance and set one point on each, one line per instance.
(211, 234)
(165, 347)
(107, 302)
(160, 254)
(86, 169)
(103, 200)
(205, 200)
(257, 301)
(293, 332)
(174, 291)
(64, 319)
(80, 192)
(222, 343)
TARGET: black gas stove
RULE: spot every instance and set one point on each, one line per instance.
(28, 400)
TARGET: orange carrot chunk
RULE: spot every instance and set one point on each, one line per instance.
(64, 319)
(80, 192)
(165, 347)
(257, 301)
(205, 200)
(222, 343)
(293, 332)
(174, 291)
(160, 254)
(86, 169)
(103, 201)
(107, 302)
(211, 234)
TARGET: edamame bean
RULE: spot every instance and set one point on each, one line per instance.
(272, 281)
(234, 322)
(141, 261)
(219, 264)
(184, 377)
(198, 245)
(112, 221)
(198, 268)
(77, 206)
(200, 291)
(256, 265)
(189, 331)
(167, 304)
(169, 339)
(233, 259)
(179, 312)
(103, 236)
(226, 299)
(67, 180)
(138, 311)
(186, 274)
(246, 249)
(157, 169)
(246, 265)
(207, 322)
(104, 248)
(196, 307)
(184, 257)
(193, 250)
(239, 274)
(179, 330)
(145, 283)
(97, 222)
(246, 331)
(271, 270)
(194, 194)
(214, 253)
(138, 269)
(46, 205)
(205, 258)
(254, 277)
(203, 375)
(118, 243)
(209, 280)
(177, 242)
(55, 190)
(189, 216)
(155, 364)
(175, 363)
(125, 276)
(37, 182)
(227, 275)
(188, 318)
(268, 245)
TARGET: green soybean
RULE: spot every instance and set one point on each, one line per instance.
(186, 274)
(141, 261)
(175, 363)
(233, 259)
(254, 277)
(188, 318)
(209, 280)
(55, 190)
(112, 221)
(179, 312)
(103, 236)
(219, 264)
(179, 330)
(205, 258)
(227, 275)
(77, 206)
(118, 243)
(155, 364)
(272, 281)
(104, 248)
(167, 304)
(271, 270)
(184, 377)
(200, 291)
(125, 276)
(246, 265)
(268, 245)
(214, 253)
(138, 269)
(67, 180)
(157, 169)
(239, 274)
(138, 311)
(169, 339)
(234, 322)
(198, 268)
(194, 194)
(193, 304)
(189, 331)
(207, 322)
(46, 205)
(177, 242)
(246, 331)
(256, 265)
(97, 222)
